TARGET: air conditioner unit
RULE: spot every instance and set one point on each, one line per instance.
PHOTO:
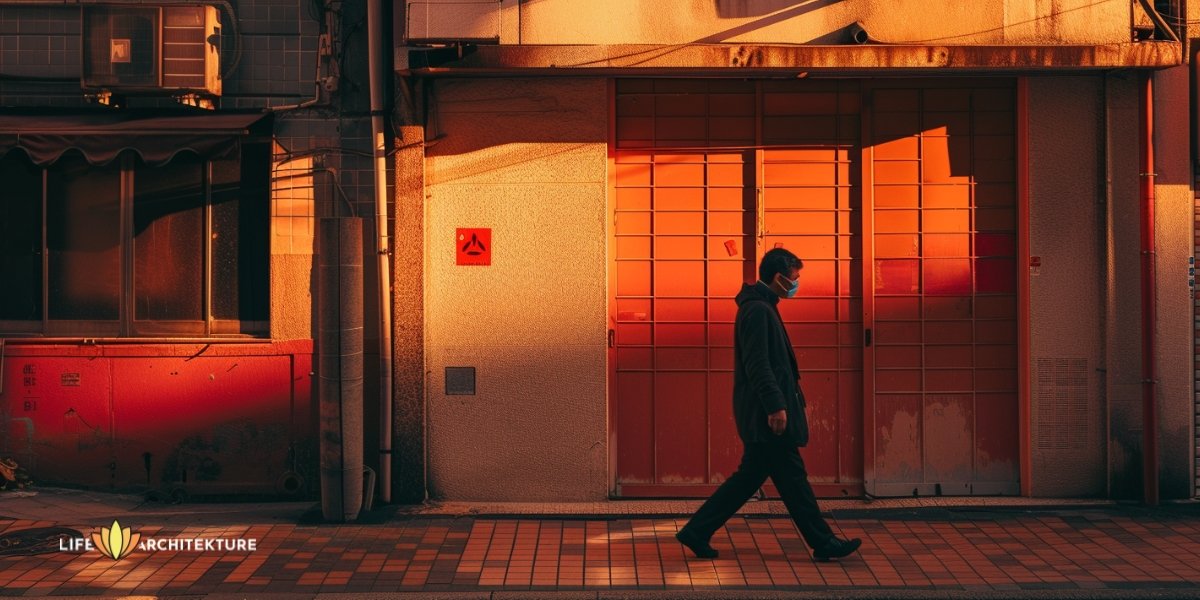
(434, 21)
(152, 49)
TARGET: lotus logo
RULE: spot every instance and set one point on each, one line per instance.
(115, 542)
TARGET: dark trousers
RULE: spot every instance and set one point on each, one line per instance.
(786, 469)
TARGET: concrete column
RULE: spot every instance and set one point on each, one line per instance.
(408, 301)
(340, 350)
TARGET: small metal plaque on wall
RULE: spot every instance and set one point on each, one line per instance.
(460, 381)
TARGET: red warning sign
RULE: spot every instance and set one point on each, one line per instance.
(473, 246)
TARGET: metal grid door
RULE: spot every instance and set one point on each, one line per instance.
(943, 414)
(681, 214)
(811, 205)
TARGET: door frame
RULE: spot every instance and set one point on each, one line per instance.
(868, 487)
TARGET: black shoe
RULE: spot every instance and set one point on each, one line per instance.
(836, 548)
(698, 546)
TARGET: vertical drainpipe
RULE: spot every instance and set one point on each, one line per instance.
(1149, 318)
(375, 66)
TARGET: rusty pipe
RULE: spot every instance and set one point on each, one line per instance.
(1149, 318)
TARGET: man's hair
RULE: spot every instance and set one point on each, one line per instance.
(778, 260)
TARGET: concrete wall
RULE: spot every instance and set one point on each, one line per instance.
(1123, 334)
(1174, 227)
(526, 158)
(789, 21)
(1095, 278)
(1065, 150)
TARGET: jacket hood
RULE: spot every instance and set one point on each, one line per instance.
(756, 291)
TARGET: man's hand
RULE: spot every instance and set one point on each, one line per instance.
(777, 421)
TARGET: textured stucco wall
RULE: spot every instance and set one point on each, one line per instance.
(526, 158)
(292, 281)
(1173, 240)
(817, 21)
(1174, 230)
(1066, 294)
(1124, 342)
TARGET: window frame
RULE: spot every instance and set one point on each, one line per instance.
(126, 325)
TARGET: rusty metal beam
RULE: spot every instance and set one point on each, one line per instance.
(760, 60)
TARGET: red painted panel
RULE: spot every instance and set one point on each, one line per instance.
(633, 199)
(57, 411)
(892, 308)
(679, 334)
(136, 416)
(724, 277)
(997, 434)
(800, 197)
(996, 307)
(897, 221)
(946, 196)
(678, 223)
(679, 129)
(679, 278)
(207, 423)
(633, 223)
(995, 244)
(635, 423)
(684, 198)
(946, 124)
(727, 199)
(733, 104)
(898, 438)
(995, 275)
(948, 440)
(897, 332)
(892, 357)
(635, 359)
(948, 332)
(682, 359)
(634, 246)
(725, 446)
(905, 148)
(947, 276)
(633, 278)
(679, 309)
(680, 104)
(680, 427)
(966, 218)
(822, 394)
(679, 247)
(897, 276)
(946, 308)
(900, 245)
(897, 196)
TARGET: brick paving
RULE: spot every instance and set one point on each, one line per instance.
(973, 551)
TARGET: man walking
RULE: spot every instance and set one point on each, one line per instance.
(768, 407)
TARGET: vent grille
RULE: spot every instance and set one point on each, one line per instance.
(1062, 399)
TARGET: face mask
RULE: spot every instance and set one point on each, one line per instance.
(791, 292)
(790, 287)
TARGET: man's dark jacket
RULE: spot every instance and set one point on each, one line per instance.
(765, 373)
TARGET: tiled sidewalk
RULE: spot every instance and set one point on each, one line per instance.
(944, 550)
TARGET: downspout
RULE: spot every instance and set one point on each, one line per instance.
(375, 65)
(1149, 318)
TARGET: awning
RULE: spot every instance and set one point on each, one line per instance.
(768, 60)
(101, 136)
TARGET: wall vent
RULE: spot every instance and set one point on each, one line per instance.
(1062, 403)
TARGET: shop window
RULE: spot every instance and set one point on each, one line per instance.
(133, 249)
